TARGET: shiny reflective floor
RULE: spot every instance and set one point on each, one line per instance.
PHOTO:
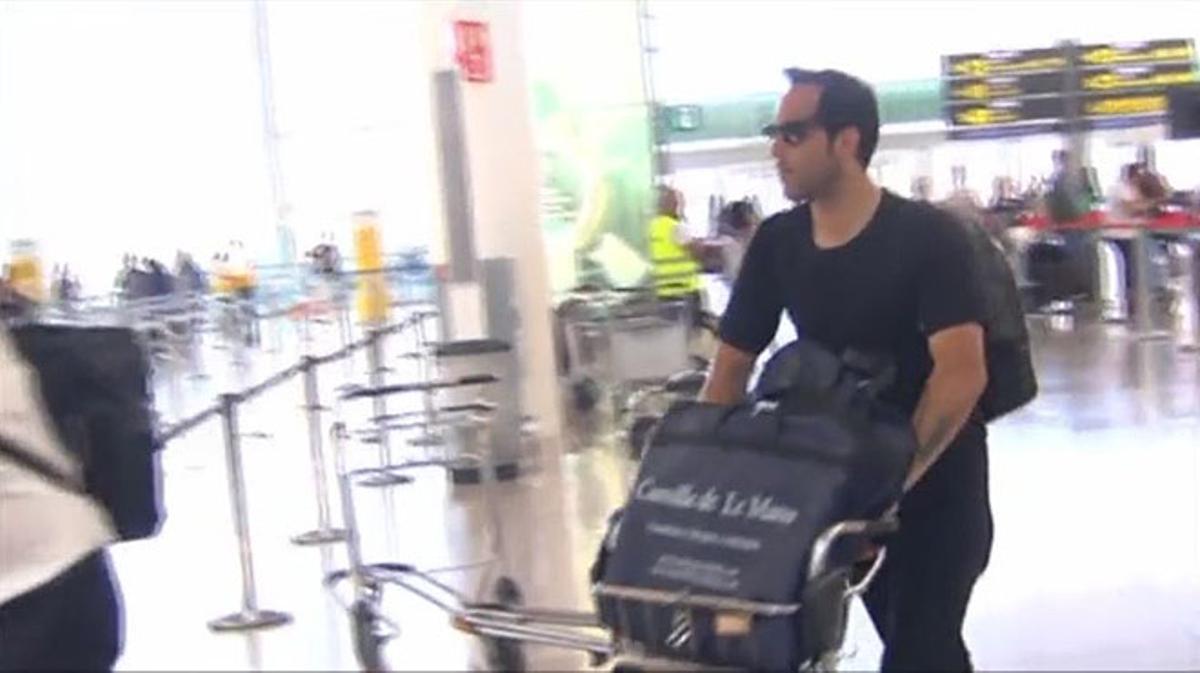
(1096, 492)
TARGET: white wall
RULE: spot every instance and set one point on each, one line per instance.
(504, 182)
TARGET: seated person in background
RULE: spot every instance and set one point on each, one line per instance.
(1003, 209)
(1153, 187)
(1127, 200)
(961, 196)
(963, 202)
(1069, 196)
(921, 188)
(1004, 196)
(191, 277)
(737, 223)
(1138, 196)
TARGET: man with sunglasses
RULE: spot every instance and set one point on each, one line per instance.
(857, 267)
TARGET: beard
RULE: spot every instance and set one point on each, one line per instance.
(814, 186)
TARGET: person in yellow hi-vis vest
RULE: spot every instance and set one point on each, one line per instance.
(674, 254)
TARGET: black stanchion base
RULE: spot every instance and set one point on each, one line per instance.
(466, 476)
(508, 471)
(427, 441)
(383, 479)
(250, 619)
(319, 537)
(1151, 335)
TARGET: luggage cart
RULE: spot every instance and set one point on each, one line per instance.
(624, 337)
(648, 344)
(503, 624)
(651, 365)
(582, 317)
(470, 424)
(633, 349)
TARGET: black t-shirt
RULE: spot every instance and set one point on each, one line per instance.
(905, 276)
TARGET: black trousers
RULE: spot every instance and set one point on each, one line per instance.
(919, 599)
(71, 623)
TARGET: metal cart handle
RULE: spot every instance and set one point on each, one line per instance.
(865, 583)
(823, 547)
(472, 380)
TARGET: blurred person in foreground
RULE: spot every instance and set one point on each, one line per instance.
(59, 604)
(857, 267)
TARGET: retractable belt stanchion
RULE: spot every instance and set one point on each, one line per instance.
(375, 364)
(199, 331)
(250, 616)
(342, 307)
(306, 331)
(1110, 273)
(1144, 329)
(429, 437)
(277, 319)
(342, 472)
(324, 533)
(1187, 288)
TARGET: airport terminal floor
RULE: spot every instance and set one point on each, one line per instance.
(1095, 487)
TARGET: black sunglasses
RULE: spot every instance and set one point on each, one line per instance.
(793, 132)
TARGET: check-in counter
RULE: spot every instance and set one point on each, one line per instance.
(1137, 260)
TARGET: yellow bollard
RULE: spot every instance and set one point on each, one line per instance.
(372, 293)
(25, 274)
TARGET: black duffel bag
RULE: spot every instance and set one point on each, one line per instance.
(95, 383)
(708, 562)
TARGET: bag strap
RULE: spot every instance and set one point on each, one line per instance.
(878, 373)
(39, 466)
(753, 408)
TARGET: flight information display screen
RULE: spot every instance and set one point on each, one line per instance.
(1092, 82)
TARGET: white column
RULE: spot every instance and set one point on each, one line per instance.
(504, 184)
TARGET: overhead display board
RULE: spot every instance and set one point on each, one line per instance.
(1034, 90)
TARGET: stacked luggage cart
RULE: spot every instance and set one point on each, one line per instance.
(630, 349)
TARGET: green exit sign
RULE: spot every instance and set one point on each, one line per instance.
(685, 117)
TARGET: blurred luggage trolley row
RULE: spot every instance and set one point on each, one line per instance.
(619, 342)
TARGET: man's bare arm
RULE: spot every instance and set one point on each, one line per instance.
(958, 378)
(728, 376)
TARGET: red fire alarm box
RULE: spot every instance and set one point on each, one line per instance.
(473, 50)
